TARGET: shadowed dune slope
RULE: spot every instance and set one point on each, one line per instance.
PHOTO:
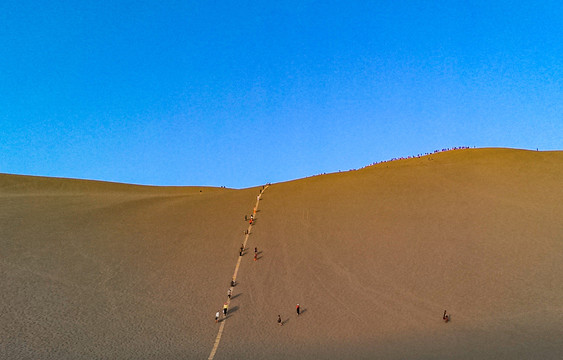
(94, 270)
(373, 256)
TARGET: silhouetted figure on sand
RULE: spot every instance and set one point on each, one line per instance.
(446, 316)
(298, 309)
(280, 320)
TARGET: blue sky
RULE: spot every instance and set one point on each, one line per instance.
(239, 93)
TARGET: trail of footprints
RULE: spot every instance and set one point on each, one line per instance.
(233, 281)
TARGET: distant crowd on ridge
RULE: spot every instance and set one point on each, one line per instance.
(404, 158)
(420, 155)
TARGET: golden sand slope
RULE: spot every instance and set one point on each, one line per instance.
(94, 270)
(97, 270)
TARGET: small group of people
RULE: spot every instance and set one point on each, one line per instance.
(241, 252)
(297, 309)
(226, 305)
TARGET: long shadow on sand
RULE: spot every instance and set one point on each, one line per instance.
(230, 312)
(235, 296)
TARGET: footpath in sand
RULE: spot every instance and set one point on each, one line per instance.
(231, 288)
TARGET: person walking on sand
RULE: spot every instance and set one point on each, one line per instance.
(217, 316)
(229, 293)
(446, 316)
(225, 307)
(298, 309)
(279, 320)
(255, 256)
(241, 249)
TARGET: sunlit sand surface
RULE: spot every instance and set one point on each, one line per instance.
(374, 256)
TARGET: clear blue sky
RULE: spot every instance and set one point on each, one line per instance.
(239, 93)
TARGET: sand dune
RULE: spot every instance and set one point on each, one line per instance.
(374, 256)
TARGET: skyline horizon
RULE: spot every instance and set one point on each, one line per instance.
(420, 155)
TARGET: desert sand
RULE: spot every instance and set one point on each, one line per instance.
(94, 270)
